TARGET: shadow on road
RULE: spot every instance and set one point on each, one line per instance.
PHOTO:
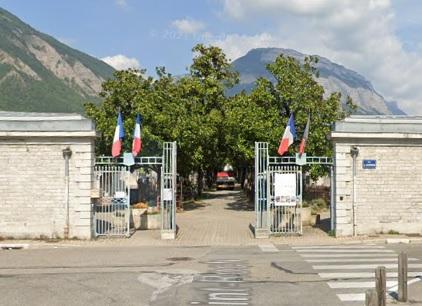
(324, 225)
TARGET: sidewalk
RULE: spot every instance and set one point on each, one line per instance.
(221, 219)
(414, 295)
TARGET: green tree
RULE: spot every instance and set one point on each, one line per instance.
(263, 114)
(188, 110)
(204, 89)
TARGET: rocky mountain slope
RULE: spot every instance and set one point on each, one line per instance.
(332, 77)
(39, 73)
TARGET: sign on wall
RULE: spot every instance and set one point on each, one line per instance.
(369, 164)
(285, 189)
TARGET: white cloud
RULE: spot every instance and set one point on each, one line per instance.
(359, 34)
(188, 26)
(236, 45)
(121, 62)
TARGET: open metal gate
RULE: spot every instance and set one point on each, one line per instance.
(274, 216)
(111, 205)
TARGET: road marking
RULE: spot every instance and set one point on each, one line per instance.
(351, 297)
(339, 247)
(347, 255)
(368, 266)
(346, 275)
(269, 248)
(393, 259)
(349, 285)
(346, 251)
(355, 257)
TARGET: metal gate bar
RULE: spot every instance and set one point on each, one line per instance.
(261, 165)
(168, 191)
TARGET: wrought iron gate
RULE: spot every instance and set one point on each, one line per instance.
(284, 219)
(273, 218)
(112, 203)
(111, 209)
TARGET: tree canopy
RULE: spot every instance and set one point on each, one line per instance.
(211, 128)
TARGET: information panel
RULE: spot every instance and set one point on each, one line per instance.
(369, 164)
(285, 189)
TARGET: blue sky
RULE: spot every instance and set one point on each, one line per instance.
(381, 39)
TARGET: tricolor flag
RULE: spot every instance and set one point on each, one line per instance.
(288, 136)
(305, 137)
(119, 134)
(137, 140)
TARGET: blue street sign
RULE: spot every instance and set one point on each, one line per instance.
(369, 164)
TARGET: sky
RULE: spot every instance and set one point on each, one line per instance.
(380, 39)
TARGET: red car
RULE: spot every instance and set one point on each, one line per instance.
(225, 180)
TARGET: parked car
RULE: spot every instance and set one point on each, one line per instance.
(225, 180)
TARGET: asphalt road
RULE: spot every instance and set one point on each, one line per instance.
(254, 275)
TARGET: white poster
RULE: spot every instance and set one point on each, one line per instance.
(285, 189)
(167, 194)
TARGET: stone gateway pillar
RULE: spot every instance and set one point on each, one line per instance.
(378, 175)
(46, 163)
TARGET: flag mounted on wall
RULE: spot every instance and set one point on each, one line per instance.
(305, 137)
(137, 140)
(288, 136)
(119, 134)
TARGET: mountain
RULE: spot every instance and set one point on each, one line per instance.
(333, 77)
(39, 73)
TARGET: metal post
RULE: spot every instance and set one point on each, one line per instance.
(354, 151)
(402, 277)
(380, 285)
(332, 198)
(128, 203)
(262, 227)
(67, 153)
(371, 297)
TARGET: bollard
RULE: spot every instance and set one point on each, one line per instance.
(380, 286)
(371, 297)
(402, 277)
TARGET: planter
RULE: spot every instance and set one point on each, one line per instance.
(307, 217)
(150, 221)
(136, 217)
(142, 220)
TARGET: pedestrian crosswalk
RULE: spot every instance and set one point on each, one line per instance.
(349, 269)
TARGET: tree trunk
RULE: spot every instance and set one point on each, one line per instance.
(200, 185)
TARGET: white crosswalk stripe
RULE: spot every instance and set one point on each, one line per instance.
(350, 269)
(332, 260)
(269, 248)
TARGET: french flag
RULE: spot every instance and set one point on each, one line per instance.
(119, 134)
(137, 140)
(305, 137)
(288, 136)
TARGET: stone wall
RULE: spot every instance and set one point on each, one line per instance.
(388, 198)
(32, 187)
